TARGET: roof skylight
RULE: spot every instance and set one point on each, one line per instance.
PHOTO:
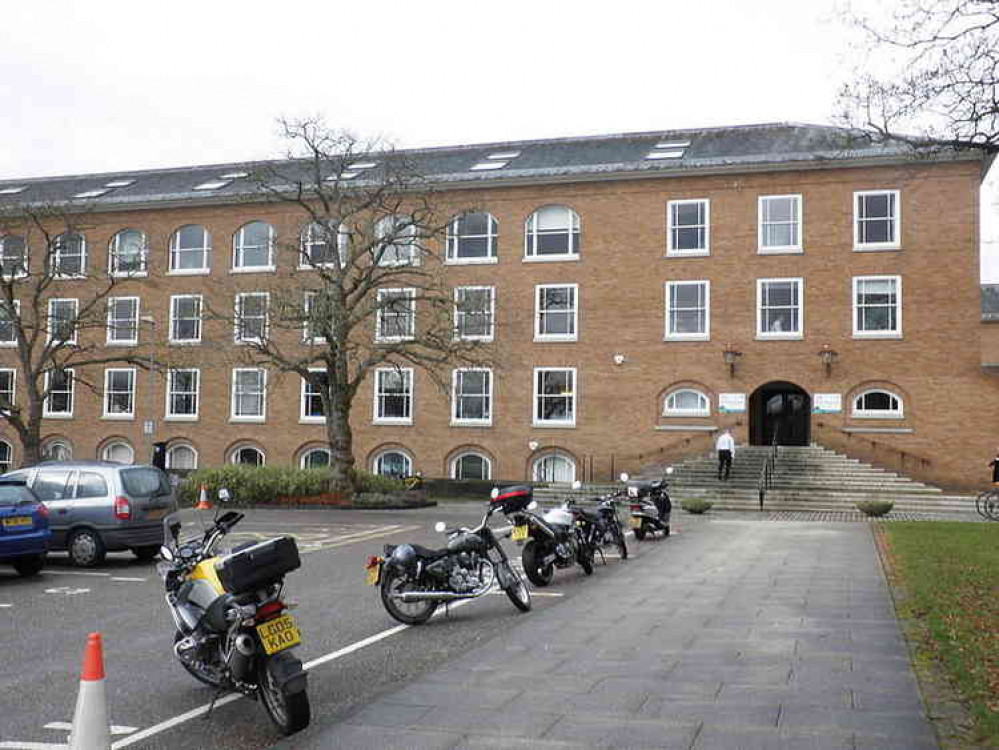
(505, 155)
(211, 185)
(363, 165)
(233, 175)
(92, 193)
(483, 166)
(12, 190)
(674, 154)
(119, 183)
(668, 150)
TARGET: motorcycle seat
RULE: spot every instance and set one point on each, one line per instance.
(645, 486)
(589, 515)
(429, 553)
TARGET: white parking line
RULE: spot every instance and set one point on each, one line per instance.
(5, 606)
(75, 573)
(67, 726)
(33, 746)
(123, 578)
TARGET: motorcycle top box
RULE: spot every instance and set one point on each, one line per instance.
(259, 565)
(513, 499)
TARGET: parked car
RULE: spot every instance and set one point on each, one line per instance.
(24, 528)
(97, 507)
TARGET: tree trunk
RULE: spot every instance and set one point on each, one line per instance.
(30, 434)
(341, 441)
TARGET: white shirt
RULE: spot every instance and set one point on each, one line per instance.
(725, 442)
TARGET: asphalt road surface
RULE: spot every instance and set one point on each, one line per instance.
(355, 649)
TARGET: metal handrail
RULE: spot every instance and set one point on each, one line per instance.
(769, 470)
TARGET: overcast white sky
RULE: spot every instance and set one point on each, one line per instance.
(107, 85)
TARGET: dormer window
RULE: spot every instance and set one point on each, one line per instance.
(552, 233)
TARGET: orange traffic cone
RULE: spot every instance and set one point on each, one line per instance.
(91, 728)
(203, 503)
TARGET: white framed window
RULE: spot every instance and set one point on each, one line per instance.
(556, 312)
(182, 456)
(247, 455)
(8, 387)
(311, 402)
(183, 388)
(249, 394)
(190, 250)
(555, 396)
(62, 320)
(878, 404)
(253, 247)
(396, 319)
(57, 450)
(688, 227)
(119, 452)
(251, 317)
(119, 393)
(392, 464)
(552, 233)
(13, 256)
(474, 313)
(471, 238)
(877, 307)
(688, 310)
(59, 387)
(319, 251)
(123, 321)
(554, 466)
(315, 458)
(185, 318)
(396, 242)
(6, 457)
(877, 222)
(128, 254)
(780, 227)
(314, 309)
(471, 466)
(69, 256)
(472, 397)
(8, 331)
(686, 402)
(394, 395)
(779, 308)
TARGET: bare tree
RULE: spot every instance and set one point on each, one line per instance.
(372, 236)
(929, 75)
(52, 331)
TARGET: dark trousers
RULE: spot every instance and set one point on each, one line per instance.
(724, 463)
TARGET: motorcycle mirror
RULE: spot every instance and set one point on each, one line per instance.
(576, 484)
(495, 493)
(624, 476)
(439, 527)
(669, 469)
(166, 553)
(224, 495)
(532, 505)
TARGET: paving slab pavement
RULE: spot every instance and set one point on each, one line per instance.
(731, 635)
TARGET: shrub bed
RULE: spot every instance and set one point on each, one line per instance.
(875, 508)
(696, 505)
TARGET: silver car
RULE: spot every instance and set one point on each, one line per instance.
(97, 507)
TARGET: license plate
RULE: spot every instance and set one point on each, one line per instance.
(156, 513)
(279, 634)
(635, 523)
(18, 522)
(373, 573)
(519, 533)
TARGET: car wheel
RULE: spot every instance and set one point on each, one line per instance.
(29, 566)
(145, 554)
(85, 548)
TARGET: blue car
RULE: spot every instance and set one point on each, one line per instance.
(24, 528)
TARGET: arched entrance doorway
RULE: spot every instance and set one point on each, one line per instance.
(780, 406)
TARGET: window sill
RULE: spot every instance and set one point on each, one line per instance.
(686, 415)
(550, 258)
(118, 417)
(554, 425)
(486, 339)
(184, 342)
(254, 269)
(686, 428)
(69, 276)
(886, 416)
(469, 423)
(247, 420)
(312, 420)
(688, 253)
(129, 274)
(8, 344)
(122, 343)
(471, 261)
(883, 430)
(318, 266)
(189, 272)
(876, 248)
(555, 339)
(779, 336)
(399, 340)
(780, 251)
(691, 337)
(180, 418)
(887, 335)
(393, 422)
(57, 416)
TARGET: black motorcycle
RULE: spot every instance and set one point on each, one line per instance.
(602, 527)
(650, 504)
(415, 580)
(553, 540)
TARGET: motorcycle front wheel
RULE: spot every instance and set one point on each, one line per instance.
(537, 573)
(517, 590)
(409, 613)
(198, 674)
(585, 558)
(622, 546)
(289, 712)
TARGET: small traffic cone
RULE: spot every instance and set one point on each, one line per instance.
(203, 503)
(91, 728)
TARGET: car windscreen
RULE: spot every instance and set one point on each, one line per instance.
(12, 494)
(144, 482)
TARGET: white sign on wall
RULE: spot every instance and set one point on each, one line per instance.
(730, 403)
(827, 403)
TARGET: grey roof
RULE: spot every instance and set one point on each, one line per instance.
(990, 302)
(738, 148)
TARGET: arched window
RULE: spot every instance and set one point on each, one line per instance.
(396, 245)
(393, 464)
(686, 402)
(127, 253)
(190, 250)
(118, 451)
(6, 456)
(877, 404)
(471, 238)
(318, 247)
(13, 256)
(247, 455)
(69, 255)
(57, 450)
(182, 456)
(315, 458)
(554, 467)
(253, 247)
(552, 232)
(471, 466)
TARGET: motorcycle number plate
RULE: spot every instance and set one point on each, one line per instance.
(373, 574)
(519, 533)
(635, 523)
(279, 634)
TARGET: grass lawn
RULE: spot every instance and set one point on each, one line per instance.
(950, 573)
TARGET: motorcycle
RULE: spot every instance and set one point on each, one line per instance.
(602, 526)
(415, 580)
(553, 540)
(233, 632)
(650, 504)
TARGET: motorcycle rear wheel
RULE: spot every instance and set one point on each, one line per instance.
(199, 675)
(622, 546)
(538, 574)
(289, 712)
(409, 613)
(585, 558)
(640, 532)
(517, 591)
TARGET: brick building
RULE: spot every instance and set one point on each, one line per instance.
(643, 290)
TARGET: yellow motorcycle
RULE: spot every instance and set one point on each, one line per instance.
(233, 630)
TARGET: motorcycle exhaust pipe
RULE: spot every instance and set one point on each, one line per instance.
(241, 657)
(435, 596)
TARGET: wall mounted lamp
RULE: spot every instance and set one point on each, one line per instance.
(619, 359)
(731, 356)
(533, 445)
(828, 355)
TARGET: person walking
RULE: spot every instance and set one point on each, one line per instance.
(725, 445)
(994, 463)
